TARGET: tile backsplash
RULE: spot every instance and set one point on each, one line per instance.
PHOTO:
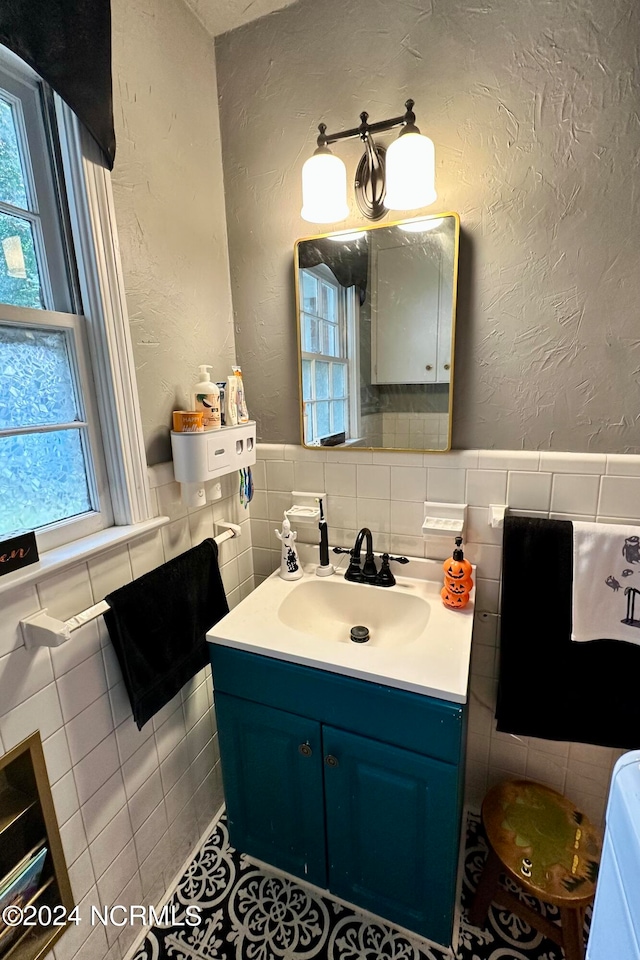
(385, 491)
(130, 804)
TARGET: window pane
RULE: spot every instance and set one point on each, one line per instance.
(306, 380)
(339, 371)
(330, 339)
(36, 380)
(322, 419)
(329, 302)
(12, 189)
(322, 380)
(338, 409)
(42, 480)
(308, 423)
(311, 342)
(309, 293)
(19, 277)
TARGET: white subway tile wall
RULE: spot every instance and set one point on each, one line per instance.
(131, 804)
(385, 491)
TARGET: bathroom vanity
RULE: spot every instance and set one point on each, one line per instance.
(337, 774)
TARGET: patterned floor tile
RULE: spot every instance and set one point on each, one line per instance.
(252, 913)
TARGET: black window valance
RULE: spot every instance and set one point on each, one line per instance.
(68, 43)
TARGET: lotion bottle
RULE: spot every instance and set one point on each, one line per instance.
(207, 399)
(290, 568)
(243, 413)
(231, 402)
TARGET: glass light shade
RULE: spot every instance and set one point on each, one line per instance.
(324, 189)
(411, 173)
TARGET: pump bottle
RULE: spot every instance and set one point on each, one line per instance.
(206, 397)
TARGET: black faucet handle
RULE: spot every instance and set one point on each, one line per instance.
(385, 578)
(354, 573)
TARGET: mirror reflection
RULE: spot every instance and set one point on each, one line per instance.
(376, 318)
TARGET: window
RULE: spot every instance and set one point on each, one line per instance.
(325, 331)
(60, 366)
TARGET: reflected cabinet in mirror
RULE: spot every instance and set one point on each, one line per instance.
(376, 327)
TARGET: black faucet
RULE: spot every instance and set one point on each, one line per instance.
(369, 571)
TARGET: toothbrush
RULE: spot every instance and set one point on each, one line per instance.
(324, 569)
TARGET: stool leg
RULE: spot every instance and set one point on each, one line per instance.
(486, 889)
(572, 921)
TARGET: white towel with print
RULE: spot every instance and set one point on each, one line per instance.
(606, 582)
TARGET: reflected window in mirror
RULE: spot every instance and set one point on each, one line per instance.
(376, 322)
(327, 312)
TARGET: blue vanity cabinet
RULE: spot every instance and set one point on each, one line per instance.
(272, 769)
(349, 784)
(392, 832)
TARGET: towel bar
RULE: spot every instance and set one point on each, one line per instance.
(41, 630)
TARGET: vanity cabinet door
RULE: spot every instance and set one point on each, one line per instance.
(272, 772)
(392, 831)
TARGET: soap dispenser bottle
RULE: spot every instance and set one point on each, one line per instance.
(207, 398)
(290, 568)
(458, 582)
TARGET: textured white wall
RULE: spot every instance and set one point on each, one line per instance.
(169, 203)
(533, 109)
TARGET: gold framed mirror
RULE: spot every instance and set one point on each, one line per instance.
(376, 331)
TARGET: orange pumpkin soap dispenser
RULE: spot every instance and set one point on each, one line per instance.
(457, 579)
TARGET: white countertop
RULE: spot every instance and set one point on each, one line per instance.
(419, 645)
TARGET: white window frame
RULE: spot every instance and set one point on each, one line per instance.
(108, 381)
(347, 313)
(95, 236)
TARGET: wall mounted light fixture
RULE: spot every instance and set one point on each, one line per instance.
(400, 178)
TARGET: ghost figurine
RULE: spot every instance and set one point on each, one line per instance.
(290, 568)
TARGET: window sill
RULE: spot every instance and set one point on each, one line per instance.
(55, 561)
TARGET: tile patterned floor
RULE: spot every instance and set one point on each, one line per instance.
(250, 913)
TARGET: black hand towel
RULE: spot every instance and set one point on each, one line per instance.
(158, 623)
(550, 687)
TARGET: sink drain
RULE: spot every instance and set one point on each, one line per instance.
(360, 634)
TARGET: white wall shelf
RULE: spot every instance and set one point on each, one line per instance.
(201, 457)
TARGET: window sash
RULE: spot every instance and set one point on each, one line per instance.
(54, 535)
(26, 91)
(311, 403)
(345, 343)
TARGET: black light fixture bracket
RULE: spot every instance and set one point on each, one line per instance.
(370, 174)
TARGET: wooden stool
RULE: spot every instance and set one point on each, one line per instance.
(543, 842)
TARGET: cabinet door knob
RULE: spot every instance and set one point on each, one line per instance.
(331, 761)
(305, 750)
(447, 366)
(429, 366)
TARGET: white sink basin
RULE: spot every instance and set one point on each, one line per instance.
(415, 642)
(327, 609)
